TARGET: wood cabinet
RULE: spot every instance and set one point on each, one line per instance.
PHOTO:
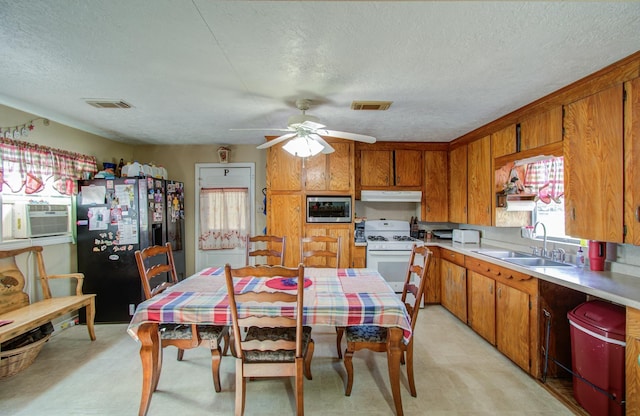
(331, 172)
(435, 204)
(453, 283)
(593, 148)
(503, 307)
(383, 168)
(479, 182)
(632, 162)
(334, 230)
(503, 142)
(284, 218)
(408, 168)
(541, 129)
(284, 171)
(358, 256)
(482, 305)
(376, 169)
(457, 175)
(432, 290)
(632, 367)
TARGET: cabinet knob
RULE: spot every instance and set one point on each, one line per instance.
(638, 213)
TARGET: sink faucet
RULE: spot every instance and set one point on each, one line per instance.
(544, 238)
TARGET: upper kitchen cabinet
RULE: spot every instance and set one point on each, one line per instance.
(632, 162)
(541, 129)
(388, 165)
(457, 178)
(435, 193)
(503, 142)
(479, 180)
(284, 171)
(331, 172)
(593, 149)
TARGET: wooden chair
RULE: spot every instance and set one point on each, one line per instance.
(270, 246)
(154, 262)
(375, 337)
(273, 346)
(316, 251)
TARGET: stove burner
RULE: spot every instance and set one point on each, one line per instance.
(376, 238)
(402, 238)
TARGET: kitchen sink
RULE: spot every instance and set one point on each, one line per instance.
(503, 254)
(536, 262)
(521, 259)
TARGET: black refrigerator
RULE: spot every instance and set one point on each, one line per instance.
(116, 217)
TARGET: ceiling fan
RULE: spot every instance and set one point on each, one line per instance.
(306, 134)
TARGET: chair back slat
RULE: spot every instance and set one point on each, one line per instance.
(420, 263)
(152, 262)
(320, 251)
(271, 247)
(291, 298)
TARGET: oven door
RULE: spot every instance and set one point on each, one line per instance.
(392, 266)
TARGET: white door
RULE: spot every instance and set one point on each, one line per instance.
(223, 175)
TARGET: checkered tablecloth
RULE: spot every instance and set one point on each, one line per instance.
(336, 297)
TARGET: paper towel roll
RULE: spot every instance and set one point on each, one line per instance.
(520, 205)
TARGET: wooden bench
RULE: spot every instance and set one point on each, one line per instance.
(25, 316)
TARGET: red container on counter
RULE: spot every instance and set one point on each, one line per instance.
(597, 254)
(598, 356)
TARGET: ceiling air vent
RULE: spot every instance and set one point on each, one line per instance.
(371, 105)
(108, 104)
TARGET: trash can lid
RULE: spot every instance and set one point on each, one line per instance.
(601, 317)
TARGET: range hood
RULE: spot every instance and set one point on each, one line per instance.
(391, 196)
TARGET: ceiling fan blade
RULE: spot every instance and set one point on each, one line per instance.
(312, 125)
(348, 136)
(276, 141)
(327, 147)
(262, 129)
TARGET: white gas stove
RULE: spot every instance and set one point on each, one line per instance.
(389, 246)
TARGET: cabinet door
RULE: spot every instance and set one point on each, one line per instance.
(632, 352)
(359, 257)
(408, 168)
(435, 204)
(284, 171)
(454, 289)
(512, 324)
(341, 167)
(376, 168)
(284, 218)
(315, 171)
(432, 290)
(594, 167)
(457, 174)
(541, 129)
(479, 193)
(482, 305)
(632, 162)
(503, 142)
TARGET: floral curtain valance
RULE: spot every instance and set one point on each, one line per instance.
(26, 166)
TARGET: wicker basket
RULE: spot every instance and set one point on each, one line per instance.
(16, 360)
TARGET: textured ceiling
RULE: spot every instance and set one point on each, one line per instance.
(193, 69)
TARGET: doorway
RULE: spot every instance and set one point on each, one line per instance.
(225, 176)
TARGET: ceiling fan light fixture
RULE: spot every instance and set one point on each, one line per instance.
(303, 147)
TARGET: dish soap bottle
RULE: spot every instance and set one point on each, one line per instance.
(580, 255)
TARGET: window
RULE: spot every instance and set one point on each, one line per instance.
(224, 218)
(37, 185)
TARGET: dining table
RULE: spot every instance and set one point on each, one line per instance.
(332, 297)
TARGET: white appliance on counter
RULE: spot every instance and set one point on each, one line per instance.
(466, 236)
(389, 246)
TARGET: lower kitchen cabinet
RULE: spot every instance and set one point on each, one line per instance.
(632, 352)
(482, 305)
(503, 309)
(453, 284)
(432, 290)
(359, 256)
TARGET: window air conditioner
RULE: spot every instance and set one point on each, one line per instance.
(39, 220)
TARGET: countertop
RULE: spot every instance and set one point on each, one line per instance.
(615, 287)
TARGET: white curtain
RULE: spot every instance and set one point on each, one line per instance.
(224, 218)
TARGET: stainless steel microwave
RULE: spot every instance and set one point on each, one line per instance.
(328, 209)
